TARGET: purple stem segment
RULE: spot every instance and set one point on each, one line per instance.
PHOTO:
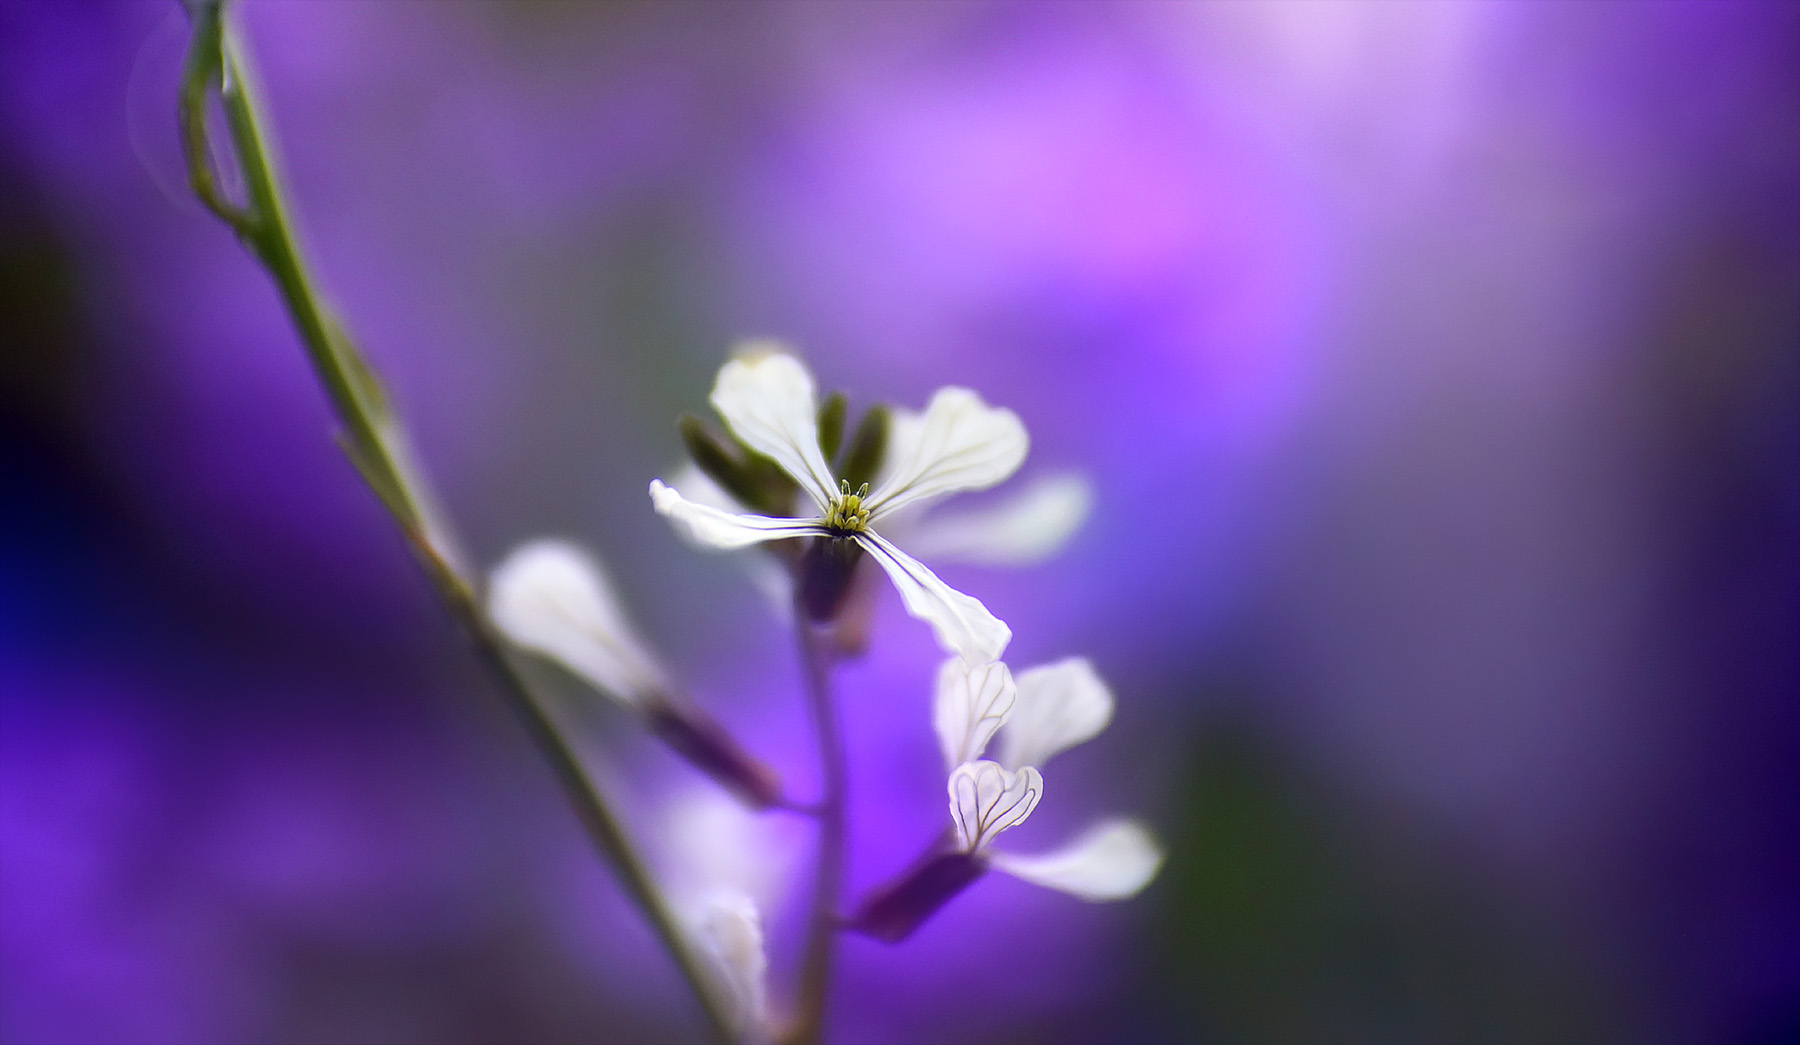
(894, 911)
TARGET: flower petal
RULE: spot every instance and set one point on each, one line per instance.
(766, 574)
(961, 444)
(550, 597)
(905, 429)
(971, 704)
(986, 798)
(712, 528)
(767, 398)
(962, 624)
(1060, 705)
(1026, 527)
(1113, 860)
(697, 487)
(730, 933)
(710, 840)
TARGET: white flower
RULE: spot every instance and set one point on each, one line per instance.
(551, 597)
(1046, 710)
(959, 443)
(725, 867)
(1026, 526)
(729, 930)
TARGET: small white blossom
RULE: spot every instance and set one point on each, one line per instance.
(723, 867)
(1028, 526)
(959, 443)
(1041, 713)
(551, 597)
(729, 929)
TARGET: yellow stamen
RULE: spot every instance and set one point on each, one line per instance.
(846, 514)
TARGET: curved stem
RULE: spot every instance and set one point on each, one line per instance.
(821, 934)
(376, 445)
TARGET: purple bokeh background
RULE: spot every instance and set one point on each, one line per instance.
(1438, 368)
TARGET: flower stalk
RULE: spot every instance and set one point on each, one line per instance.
(374, 441)
(828, 877)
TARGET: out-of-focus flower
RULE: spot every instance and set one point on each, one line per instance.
(1045, 711)
(959, 443)
(730, 934)
(552, 598)
(725, 868)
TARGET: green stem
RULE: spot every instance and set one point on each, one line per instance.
(821, 935)
(375, 443)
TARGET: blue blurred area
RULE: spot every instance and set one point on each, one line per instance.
(1438, 368)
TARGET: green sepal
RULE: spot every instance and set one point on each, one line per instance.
(718, 464)
(868, 447)
(831, 424)
(776, 489)
(751, 479)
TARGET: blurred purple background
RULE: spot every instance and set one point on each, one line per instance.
(1438, 367)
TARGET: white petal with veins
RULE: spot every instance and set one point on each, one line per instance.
(971, 703)
(905, 428)
(962, 624)
(986, 798)
(1113, 860)
(551, 597)
(766, 575)
(767, 399)
(1028, 526)
(1060, 705)
(713, 528)
(961, 444)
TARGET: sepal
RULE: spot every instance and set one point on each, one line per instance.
(827, 572)
(831, 424)
(867, 450)
(751, 479)
(896, 910)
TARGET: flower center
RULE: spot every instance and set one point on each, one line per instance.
(846, 514)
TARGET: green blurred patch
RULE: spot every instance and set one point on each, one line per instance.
(1291, 914)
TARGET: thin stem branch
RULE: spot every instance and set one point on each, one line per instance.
(821, 934)
(375, 444)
